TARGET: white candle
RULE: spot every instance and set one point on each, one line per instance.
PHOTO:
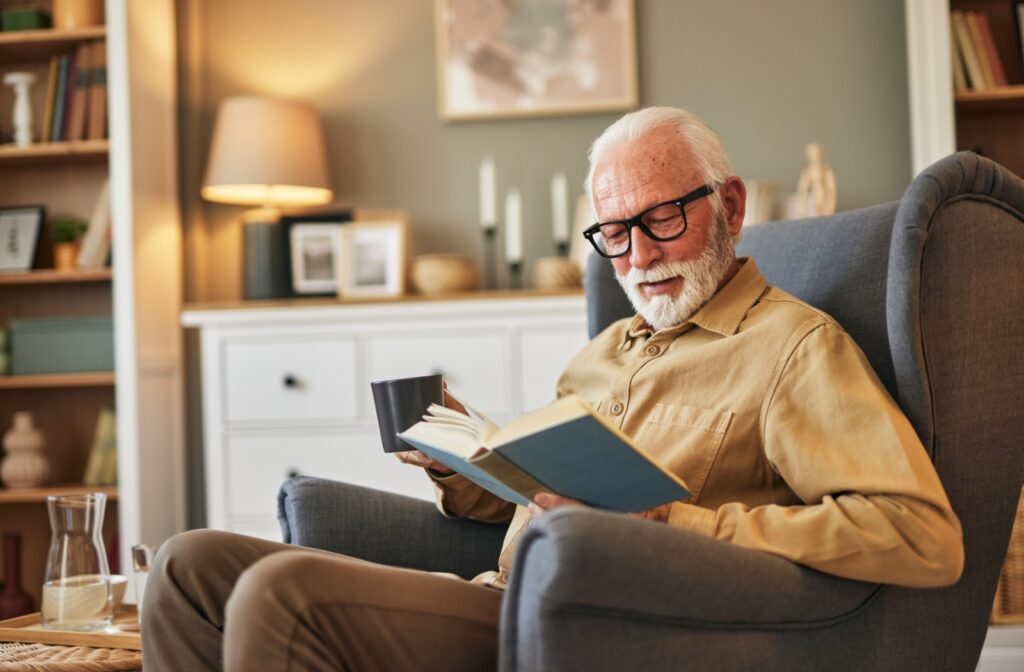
(560, 207)
(513, 227)
(488, 216)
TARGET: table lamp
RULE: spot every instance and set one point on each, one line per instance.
(267, 152)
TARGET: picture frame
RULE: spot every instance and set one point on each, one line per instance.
(501, 58)
(312, 243)
(20, 230)
(373, 256)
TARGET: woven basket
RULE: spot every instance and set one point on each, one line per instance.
(46, 658)
(443, 273)
(1009, 606)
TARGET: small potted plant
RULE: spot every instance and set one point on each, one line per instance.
(66, 235)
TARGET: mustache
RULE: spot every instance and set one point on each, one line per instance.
(662, 271)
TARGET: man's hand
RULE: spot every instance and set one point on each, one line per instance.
(545, 501)
(418, 458)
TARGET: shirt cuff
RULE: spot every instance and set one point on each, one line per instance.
(693, 518)
(453, 481)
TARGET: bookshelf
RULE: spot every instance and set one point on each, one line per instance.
(988, 121)
(143, 295)
(66, 178)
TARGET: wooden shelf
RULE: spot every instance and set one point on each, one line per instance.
(52, 380)
(33, 46)
(49, 276)
(1004, 98)
(53, 153)
(33, 495)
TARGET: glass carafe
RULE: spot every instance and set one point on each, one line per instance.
(76, 588)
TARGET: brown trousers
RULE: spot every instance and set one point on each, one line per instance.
(258, 605)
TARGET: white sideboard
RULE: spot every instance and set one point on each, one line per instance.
(286, 388)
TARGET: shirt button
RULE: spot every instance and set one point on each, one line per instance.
(652, 350)
(616, 408)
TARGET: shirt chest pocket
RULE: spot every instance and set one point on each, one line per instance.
(686, 441)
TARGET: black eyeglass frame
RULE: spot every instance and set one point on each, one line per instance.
(637, 222)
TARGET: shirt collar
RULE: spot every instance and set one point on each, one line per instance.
(724, 312)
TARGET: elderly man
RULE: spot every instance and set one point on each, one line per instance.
(762, 404)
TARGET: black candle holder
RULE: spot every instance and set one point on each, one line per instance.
(490, 257)
(562, 248)
(515, 275)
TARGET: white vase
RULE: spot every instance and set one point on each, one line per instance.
(24, 465)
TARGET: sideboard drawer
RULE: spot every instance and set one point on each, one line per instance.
(257, 464)
(291, 378)
(475, 363)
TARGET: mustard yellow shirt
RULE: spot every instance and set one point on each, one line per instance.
(775, 420)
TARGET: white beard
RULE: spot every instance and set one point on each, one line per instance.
(700, 282)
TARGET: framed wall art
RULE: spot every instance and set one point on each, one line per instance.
(372, 258)
(313, 242)
(508, 58)
(19, 236)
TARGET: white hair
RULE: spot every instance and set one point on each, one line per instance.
(703, 143)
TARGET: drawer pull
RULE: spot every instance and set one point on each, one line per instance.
(290, 381)
(292, 473)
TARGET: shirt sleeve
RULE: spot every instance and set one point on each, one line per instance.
(458, 497)
(873, 507)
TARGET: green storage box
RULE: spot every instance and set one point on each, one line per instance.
(24, 18)
(62, 344)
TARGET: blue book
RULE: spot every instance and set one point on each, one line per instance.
(59, 105)
(565, 448)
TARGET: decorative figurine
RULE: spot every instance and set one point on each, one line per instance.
(20, 82)
(816, 189)
(24, 465)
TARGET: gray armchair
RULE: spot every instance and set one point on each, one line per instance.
(932, 289)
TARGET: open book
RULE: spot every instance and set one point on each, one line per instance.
(564, 448)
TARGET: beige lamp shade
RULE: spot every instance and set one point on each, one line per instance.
(267, 152)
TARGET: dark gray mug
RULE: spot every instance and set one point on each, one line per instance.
(401, 403)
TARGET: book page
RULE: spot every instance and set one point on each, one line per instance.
(565, 409)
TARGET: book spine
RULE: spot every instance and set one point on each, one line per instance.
(956, 56)
(96, 241)
(98, 93)
(69, 96)
(974, 27)
(963, 36)
(51, 94)
(996, 63)
(80, 93)
(58, 105)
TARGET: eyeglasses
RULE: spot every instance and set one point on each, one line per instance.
(662, 222)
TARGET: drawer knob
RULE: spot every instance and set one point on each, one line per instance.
(290, 381)
(292, 473)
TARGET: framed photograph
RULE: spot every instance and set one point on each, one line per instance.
(19, 236)
(313, 242)
(507, 58)
(372, 259)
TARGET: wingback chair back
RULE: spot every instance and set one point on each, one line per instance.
(932, 289)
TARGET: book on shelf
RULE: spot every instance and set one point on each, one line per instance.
(51, 94)
(97, 126)
(978, 40)
(69, 95)
(96, 240)
(79, 90)
(972, 65)
(564, 448)
(101, 466)
(998, 71)
(59, 98)
(957, 58)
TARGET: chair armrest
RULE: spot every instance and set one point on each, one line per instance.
(599, 588)
(385, 528)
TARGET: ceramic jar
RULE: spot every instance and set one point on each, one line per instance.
(24, 465)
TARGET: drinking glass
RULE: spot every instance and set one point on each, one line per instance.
(76, 588)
